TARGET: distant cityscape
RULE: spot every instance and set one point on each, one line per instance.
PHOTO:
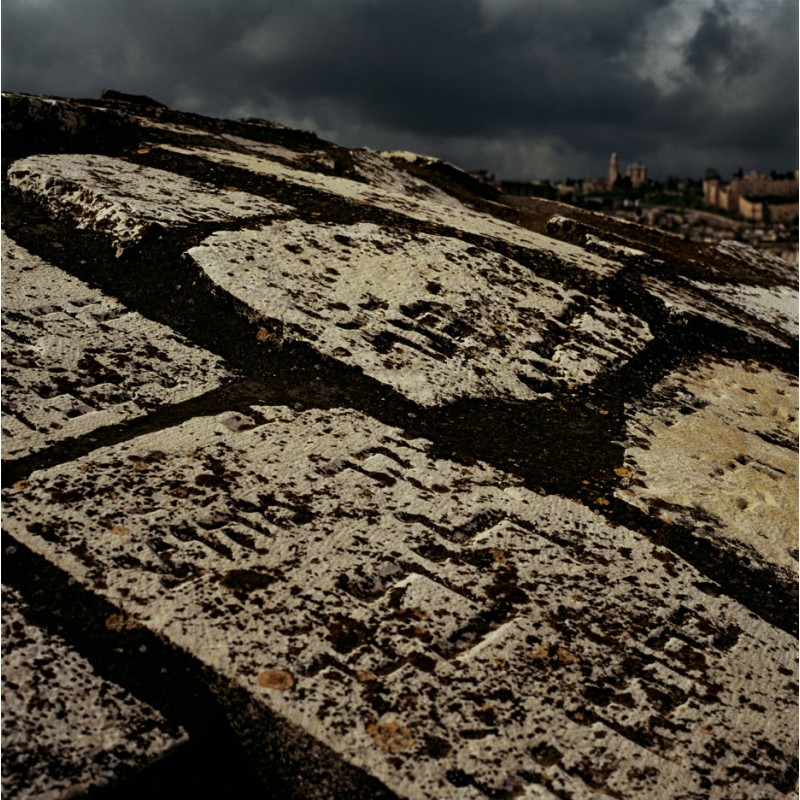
(750, 207)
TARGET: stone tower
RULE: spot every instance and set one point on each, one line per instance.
(613, 170)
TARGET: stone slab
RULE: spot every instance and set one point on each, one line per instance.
(433, 317)
(372, 168)
(125, 199)
(767, 314)
(766, 306)
(75, 360)
(456, 216)
(65, 729)
(715, 447)
(434, 624)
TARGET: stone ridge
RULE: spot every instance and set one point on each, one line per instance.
(422, 492)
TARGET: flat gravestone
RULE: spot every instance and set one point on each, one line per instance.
(455, 216)
(433, 624)
(75, 360)
(433, 317)
(125, 199)
(66, 730)
(716, 448)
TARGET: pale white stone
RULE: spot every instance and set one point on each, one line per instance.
(454, 216)
(125, 199)
(723, 304)
(776, 305)
(444, 639)
(65, 729)
(75, 360)
(613, 249)
(433, 317)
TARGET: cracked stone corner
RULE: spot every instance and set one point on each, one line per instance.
(75, 360)
(65, 729)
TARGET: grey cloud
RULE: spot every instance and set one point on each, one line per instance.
(722, 47)
(544, 88)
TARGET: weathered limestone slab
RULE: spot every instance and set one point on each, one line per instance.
(775, 305)
(455, 216)
(768, 313)
(65, 729)
(75, 360)
(437, 625)
(125, 199)
(433, 317)
(374, 169)
(716, 447)
(765, 307)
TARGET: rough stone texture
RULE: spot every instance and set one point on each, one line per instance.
(65, 729)
(717, 448)
(75, 360)
(457, 216)
(433, 317)
(126, 199)
(436, 624)
(737, 305)
(498, 499)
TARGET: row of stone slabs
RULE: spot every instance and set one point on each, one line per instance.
(495, 613)
(350, 566)
(431, 316)
(439, 626)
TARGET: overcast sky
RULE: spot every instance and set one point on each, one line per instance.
(523, 88)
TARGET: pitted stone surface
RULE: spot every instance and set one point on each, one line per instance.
(372, 168)
(349, 599)
(125, 199)
(65, 729)
(716, 447)
(767, 315)
(453, 216)
(75, 360)
(433, 317)
(775, 305)
(767, 310)
(435, 624)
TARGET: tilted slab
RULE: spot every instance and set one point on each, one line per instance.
(716, 447)
(372, 168)
(431, 316)
(125, 199)
(75, 360)
(451, 215)
(765, 307)
(65, 729)
(434, 624)
(764, 266)
(775, 305)
(767, 313)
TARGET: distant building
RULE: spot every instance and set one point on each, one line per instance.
(613, 170)
(637, 173)
(756, 197)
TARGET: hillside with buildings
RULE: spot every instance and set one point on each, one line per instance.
(761, 210)
(331, 473)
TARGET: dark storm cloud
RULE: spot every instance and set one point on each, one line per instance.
(523, 87)
(722, 46)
